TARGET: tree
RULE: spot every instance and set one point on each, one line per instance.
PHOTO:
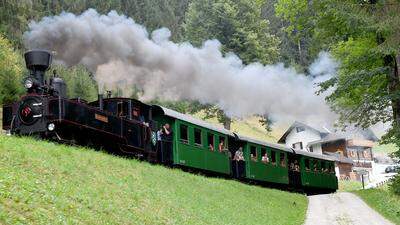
(79, 82)
(238, 25)
(11, 70)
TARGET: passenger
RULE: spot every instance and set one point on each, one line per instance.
(253, 157)
(264, 158)
(159, 133)
(167, 136)
(211, 147)
(296, 166)
(291, 166)
(239, 155)
(159, 143)
(221, 146)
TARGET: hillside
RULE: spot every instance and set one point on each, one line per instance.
(47, 183)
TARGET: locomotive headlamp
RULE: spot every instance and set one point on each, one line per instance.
(28, 83)
(51, 126)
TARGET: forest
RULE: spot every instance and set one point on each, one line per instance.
(362, 35)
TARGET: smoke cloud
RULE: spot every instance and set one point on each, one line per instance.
(121, 53)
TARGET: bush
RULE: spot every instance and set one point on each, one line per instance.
(394, 185)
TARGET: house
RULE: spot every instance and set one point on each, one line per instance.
(351, 148)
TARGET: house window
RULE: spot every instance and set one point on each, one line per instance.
(184, 133)
(197, 136)
(273, 157)
(253, 153)
(311, 149)
(307, 164)
(210, 141)
(283, 159)
(298, 145)
(264, 155)
(300, 129)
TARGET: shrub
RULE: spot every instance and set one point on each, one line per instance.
(394, 185)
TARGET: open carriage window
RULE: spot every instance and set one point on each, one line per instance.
(283, 159)
(222, 144)
(253, 153)
(184, 133)
(264, 155)
(331, 167)
(197, 136)
(273, 157)
(307, 164)
(315, 165)
(210, 141)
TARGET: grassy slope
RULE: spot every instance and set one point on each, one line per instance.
(382, 201)
(46, 183)
(349, 185)
(250, 127)
(386, 149)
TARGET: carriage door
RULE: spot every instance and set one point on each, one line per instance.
(294, 170)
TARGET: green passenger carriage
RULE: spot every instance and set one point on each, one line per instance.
(200, 145)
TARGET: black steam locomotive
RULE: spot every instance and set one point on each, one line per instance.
(117, 124)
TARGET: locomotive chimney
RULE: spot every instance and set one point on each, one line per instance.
(37, 62)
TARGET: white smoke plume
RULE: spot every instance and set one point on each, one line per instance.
(121, 53)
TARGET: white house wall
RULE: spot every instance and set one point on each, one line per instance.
(305, 137)
(317, 148)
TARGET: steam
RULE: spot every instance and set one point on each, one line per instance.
(122, 54)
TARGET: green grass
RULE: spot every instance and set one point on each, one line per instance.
(250, 127)
(388, 148)
(47, 183)
(383, 201)
(349, 185)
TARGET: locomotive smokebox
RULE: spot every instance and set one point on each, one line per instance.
(38, 61)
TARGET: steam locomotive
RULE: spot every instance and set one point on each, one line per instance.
(128, 126)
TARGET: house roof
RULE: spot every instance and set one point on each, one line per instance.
(327, 138)
(351, 132)
(298, 124)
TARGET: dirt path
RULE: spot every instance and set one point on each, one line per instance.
(340, 209)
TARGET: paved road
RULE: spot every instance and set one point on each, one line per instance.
(340, 209)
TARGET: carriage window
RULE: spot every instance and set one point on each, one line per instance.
(120, 109)
(300, 129)
(273, 157)
(307, 164)
(210, 141)
(331, 168)
(315, 165)
(184, 133)
(264, 155)
(283, 159)
(253, 153)
(323, 167)
(197, 136)
(222, 144)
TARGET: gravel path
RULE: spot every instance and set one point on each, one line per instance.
(340, 209)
